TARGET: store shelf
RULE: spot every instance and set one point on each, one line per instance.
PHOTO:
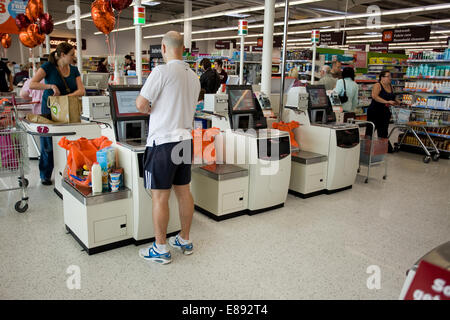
(428, 91)
(388, 65)
(434, 134)
(429, 61)
(427, 78)
(431, 108)
(301, 61)
(365, 81)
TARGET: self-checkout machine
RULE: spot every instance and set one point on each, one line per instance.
(320, 134)
(131, 130)
(246, 143)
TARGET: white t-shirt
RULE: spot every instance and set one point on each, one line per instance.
(173, 91)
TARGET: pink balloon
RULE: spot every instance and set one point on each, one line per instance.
(46, 23)
(119, 5)
(22, 21)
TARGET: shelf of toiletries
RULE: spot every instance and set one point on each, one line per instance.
(427, 71)
(440, 103)
(429, 56)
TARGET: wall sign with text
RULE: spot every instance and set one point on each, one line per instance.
(411, 34)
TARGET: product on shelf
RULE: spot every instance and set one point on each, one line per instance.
(428, 70)
(430, 55)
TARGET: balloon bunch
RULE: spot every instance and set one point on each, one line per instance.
(5, 39)
(103, 14)
(34, 24)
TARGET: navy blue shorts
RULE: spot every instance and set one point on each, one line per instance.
(168, 164)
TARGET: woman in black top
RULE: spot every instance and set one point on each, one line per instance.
(383, 97)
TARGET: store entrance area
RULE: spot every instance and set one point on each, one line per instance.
(324, 247)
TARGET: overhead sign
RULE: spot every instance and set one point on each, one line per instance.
(430, 283)
(155, 51)
(411, 34)
(277, 42)
(357, 47)
(9, 9)
(333, 38)
(222, 45)
(138, 15)
(379, 47)
(257, 49)
(54, 41)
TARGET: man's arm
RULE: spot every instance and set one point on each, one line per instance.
(143, 105)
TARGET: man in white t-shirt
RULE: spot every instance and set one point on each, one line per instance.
(170, 96)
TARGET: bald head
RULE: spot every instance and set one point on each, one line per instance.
(172, 46)
(173, 40)
(326, 69)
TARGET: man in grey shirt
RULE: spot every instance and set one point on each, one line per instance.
(326, 78)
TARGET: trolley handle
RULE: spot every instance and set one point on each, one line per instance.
(364, 122)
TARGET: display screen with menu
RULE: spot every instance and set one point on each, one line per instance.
(123, 102)
(318, 97)
(241, 101)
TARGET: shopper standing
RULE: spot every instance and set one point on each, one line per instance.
(5, 78)
(101, 67)
(336, 69)
(222, 73)
(61, 78)
(326, 78)
(129, 64)
(170, 96)
(210, 79)
(349, 87)
(379, 112)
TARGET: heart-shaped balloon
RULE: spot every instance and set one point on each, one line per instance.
(34, 9)
(24, 37)
(46, 23)
(103, 16)
(6, 41)
(119, 5)
(22, 21)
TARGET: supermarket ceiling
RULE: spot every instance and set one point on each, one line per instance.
(332, 12)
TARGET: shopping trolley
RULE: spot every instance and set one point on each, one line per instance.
(372, 150)
(13, 151)
(407, 120)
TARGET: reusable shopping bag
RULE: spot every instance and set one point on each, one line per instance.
(203, 141)
(82, 152)
(288, 127)
(65, 109)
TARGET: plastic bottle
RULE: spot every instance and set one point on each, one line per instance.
(96, 177)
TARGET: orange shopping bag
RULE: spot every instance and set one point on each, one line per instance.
(282, 126)
(82, 152)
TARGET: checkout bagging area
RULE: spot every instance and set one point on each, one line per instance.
(254, 167)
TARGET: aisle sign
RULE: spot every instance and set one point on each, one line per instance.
(315, 36)
(257, 49)
(54, 41)
(243, 28)
(139, 15)
(333, 38)
(430, 283)
(9, 9)
(411, 34)
(277, 42)
(155, 51)
(379, 47)
(357, 47)
(222, 45)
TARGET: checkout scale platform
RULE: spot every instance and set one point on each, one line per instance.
(108, 220)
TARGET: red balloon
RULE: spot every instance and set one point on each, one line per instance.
(34, 9)
(103, 16)
(6, 41)
(46, 23)
(24, 37)
(119, 5)
(22, 21)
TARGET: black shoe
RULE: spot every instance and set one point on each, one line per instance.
(46, 182)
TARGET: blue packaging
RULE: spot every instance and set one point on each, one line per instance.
(102, 159)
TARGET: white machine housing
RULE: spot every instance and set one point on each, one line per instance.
(339, 142)
(216, 102)
(96, 108)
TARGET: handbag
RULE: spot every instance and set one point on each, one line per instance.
(344, 97)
